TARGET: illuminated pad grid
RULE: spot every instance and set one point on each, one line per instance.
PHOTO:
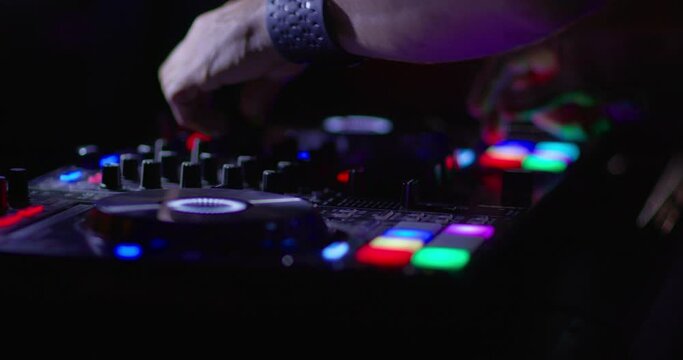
(397, 245)
(418, 244)
(553, 157)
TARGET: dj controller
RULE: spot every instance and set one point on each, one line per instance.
(476, 240)
(177, 201)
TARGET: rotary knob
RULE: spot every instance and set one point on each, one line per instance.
(232, 177)
(111, 177)
(18, 188)
(190, 176)
(271, 182)
(151, 174)
(130, 167)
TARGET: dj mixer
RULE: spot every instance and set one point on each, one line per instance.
(176, 200)
(500, 247)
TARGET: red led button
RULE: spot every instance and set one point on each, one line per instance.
(383, 257)
(95, 179)
(500, 162)
(344, 176)
(10, 220)
(31, 211)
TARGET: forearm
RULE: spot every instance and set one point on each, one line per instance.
(426, 31)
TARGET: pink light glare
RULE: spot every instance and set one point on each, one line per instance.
(482, 231)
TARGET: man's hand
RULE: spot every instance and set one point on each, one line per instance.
(226, 46)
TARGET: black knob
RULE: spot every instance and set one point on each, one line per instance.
(250, 170)
(518, 188)
(271, 182)
(111, 177)
(130, 167)
(89, 156)
(410, 195)
(18, 188)
(291, 176)
(209, 168)
(190, 176)
(3, 195)
(160, 145)
(232, 177)
(151, 174)
(169, 166)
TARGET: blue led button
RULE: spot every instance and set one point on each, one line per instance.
(128, 251)
(408, 233)
(109, 159)
(335, 251)
(71, 176)
(303, 155)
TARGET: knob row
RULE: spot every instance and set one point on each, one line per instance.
(288, 177)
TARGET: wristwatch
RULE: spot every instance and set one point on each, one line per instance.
(301, 34)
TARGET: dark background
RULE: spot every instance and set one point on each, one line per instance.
(80, 72)
(85, 72)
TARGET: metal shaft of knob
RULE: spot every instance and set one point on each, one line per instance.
(209, 164)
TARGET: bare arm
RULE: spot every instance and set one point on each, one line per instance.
(449, 30)
(231, 44)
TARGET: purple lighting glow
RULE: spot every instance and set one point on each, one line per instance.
(482, 231)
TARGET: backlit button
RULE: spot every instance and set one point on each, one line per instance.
(469, 243)
(392, 243)
(31, 211)
(569, 150)
(71, 176)
(128, 251)
(433, 258)
(430, 227)
(95, 179)
(538, 162)
(335, 251)
(482, 231)
(409, 234)
(514, 146)
(109, 160)
(10, 220)
(496, 161)
(383, 257)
